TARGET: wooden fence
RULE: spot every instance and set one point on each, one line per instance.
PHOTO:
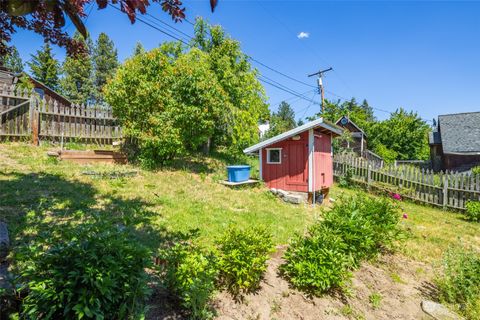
(449, 190)
(23, 114)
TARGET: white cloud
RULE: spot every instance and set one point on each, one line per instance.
(303, 35)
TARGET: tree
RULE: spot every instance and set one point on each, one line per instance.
(105, 60)
(44, 67)
(139, 49)
(47, 18)
(168, 107)
(281, 121)
(177, 98)
(12, 61)
(404, 135)
(244, 93)
(77, 82)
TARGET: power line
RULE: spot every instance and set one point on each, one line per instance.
(153, 26)
(265, 80)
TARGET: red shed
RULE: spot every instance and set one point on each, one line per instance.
(300, 159)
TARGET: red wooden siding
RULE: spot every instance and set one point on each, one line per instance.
(323, 161)
(292, 173)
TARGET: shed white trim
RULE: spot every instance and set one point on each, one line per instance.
(269, 160)
(318, 123)
(311, 154)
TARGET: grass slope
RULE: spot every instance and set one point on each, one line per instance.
(187, 196)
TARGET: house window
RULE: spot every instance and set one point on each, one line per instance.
(274, 156)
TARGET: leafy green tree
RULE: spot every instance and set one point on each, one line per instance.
(404, 133)
(168, 106)
(282, 120)
(44, 67)
(183, 98)
(245, 96)
(105, 61)
(77, 83)
(12, 60)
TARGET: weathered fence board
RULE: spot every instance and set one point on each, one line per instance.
(22, 114)
(445, 189)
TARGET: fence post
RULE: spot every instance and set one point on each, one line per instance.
(445, 192)
(34, 122)
(369, 176)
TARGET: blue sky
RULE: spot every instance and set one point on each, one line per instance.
(423, 56)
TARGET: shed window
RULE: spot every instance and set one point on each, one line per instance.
(274, 156)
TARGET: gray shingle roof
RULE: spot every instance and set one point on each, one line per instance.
(460, 133)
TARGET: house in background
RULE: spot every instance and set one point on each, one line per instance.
(8, 77)
(359, 138)
(455, 142)
(299, 160)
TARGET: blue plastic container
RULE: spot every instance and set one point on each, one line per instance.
(238, 173)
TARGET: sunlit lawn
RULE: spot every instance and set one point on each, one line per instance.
(186, 197)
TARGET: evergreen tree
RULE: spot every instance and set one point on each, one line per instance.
(105, 61)
(44, 67)
(77, 83)
(12, 61)
(368, 111)
(139, 49)
(283, 120)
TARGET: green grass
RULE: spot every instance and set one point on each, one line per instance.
(430, 231)
(183, 197)
(186, 196)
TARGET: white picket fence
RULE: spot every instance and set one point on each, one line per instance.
(449, 190)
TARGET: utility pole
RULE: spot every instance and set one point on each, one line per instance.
(320, 85)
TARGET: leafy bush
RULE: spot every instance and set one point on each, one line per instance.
(89, 271)
(317, 262)
(459, 282)
(242, 258)
(346, 179)
(190, 273)
(476, 170)
(472, 211)
(366, 224)
(355, 229)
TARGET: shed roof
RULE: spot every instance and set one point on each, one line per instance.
(460, 133)
(318, 123)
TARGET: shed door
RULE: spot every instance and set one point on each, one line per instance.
(296, 163)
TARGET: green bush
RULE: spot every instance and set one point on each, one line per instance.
(472, 211)
(317, 262)
(243, 256)
(476, 170)
(366, 224)
(346, 179)
(190, 273)
(355, 229)
(88, 271)
(459, 283)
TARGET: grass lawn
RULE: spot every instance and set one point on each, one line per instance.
(430, 231)
(182, 198)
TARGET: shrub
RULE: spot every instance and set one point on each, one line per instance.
(242, 258)
(366, 224)
(459, 282)
(472, 211)
(190, 273)
(346, 179)
(476, 170)
(316, 262)
(89, 271)
(355, 229)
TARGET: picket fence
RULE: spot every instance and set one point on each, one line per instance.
(449, 190)
(23, 114)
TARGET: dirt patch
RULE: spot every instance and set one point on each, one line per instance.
(397, 284)
(390, 288)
